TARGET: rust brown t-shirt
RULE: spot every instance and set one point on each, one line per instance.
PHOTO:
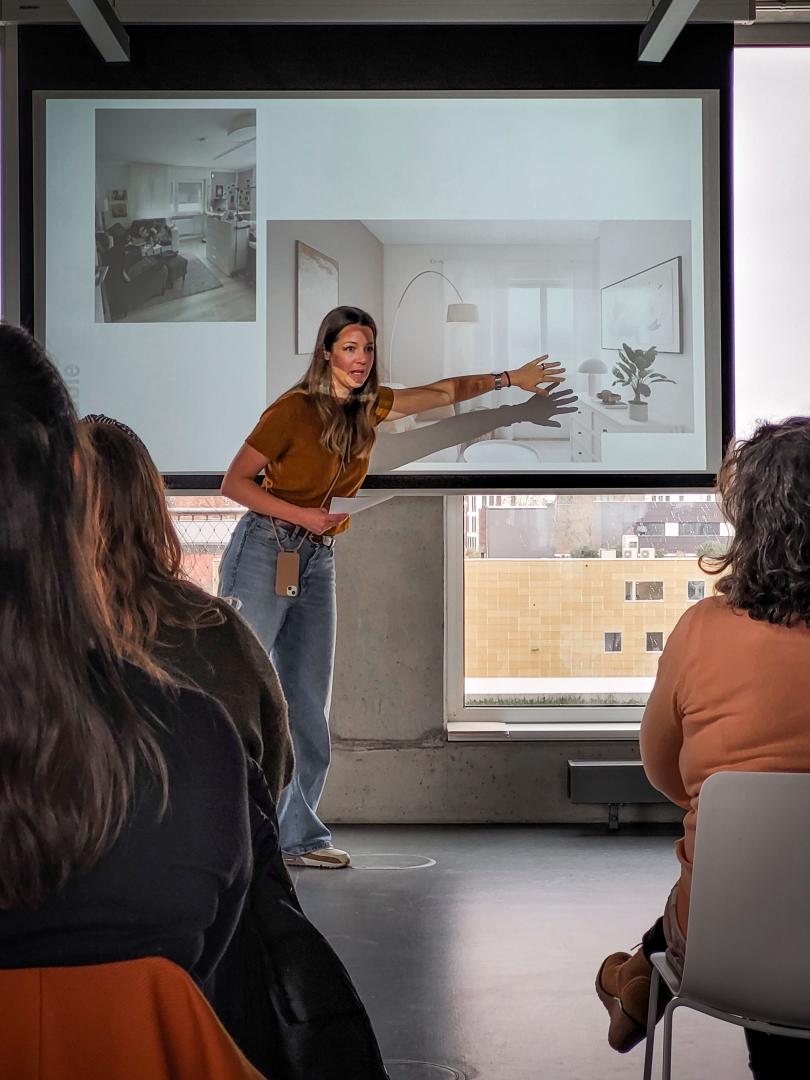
(299, 468)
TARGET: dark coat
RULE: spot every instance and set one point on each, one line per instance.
(281, 990)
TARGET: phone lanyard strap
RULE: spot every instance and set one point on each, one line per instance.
(324, 501)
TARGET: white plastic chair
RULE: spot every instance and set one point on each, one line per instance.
(748, 948)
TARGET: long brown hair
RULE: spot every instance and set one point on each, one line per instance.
(134, 547)
(764, 485)
(72, 739)
(348, 426)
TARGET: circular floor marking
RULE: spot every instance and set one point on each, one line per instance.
(391, 862)
(421, 1070)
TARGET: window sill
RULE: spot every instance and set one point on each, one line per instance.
(495, 731)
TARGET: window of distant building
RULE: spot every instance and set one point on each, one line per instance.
(613, 641)
(644, 590)
(695, 590)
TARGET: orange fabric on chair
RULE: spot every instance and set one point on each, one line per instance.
(135, 1020)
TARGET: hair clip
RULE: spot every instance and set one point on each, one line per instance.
(100, 418)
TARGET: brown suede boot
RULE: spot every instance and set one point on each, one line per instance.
(623, 987)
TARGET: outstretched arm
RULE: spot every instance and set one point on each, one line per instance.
(532, 377)
(394, 450)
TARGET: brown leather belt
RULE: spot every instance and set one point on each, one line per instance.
(325, 541)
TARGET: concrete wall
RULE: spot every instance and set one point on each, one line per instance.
(392, 762)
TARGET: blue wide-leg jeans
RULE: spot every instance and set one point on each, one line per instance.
(299, 634)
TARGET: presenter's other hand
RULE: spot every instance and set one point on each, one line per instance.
(538, 374)
(318, 521)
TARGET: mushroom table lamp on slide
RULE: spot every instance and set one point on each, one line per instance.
(456, 313)
(593, 368)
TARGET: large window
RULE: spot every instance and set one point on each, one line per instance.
(567, 601)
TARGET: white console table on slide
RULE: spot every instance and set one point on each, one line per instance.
(593, 419)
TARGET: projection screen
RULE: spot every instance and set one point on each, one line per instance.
(192, 244)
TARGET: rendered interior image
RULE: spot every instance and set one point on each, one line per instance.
(578, 291)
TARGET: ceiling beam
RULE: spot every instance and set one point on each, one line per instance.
(337, 12)
(663, 28)
(104, 29)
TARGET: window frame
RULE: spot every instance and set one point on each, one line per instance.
(616, 634)
(695, 599)
(647, 634)
(197, 209)
(634, 599)
(496, 723)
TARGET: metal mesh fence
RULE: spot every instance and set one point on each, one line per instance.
(204, 525)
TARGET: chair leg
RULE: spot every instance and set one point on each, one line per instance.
(666, 1072)
(651, 1018)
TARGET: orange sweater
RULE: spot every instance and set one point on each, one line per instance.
(731, 693)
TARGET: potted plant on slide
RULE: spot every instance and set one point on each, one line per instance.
(634, 370)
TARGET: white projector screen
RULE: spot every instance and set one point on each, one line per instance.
(192, 245)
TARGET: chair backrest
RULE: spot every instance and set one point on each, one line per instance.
(748, 945)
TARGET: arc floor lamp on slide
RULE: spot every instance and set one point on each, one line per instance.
(456, 313)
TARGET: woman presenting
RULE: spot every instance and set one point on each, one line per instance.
(314, 443)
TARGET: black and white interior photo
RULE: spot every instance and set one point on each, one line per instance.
(175, 215)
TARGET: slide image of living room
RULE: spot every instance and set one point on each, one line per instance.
(175, 215)
(453, 297)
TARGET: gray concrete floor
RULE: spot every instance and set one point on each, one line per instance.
(486, 961)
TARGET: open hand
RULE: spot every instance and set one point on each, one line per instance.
(533, 375)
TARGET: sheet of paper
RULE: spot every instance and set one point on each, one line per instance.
(357, 504)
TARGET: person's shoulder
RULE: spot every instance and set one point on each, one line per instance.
(703, 615)
(189, 723)
(292, 408)
(711, 608)
(293, 403)
(289, 405)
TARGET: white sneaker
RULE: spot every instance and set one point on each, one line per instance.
(325, 858)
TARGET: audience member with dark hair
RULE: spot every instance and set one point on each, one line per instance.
(157, 611)
(280, 989)
(731, 694)
(114, 847)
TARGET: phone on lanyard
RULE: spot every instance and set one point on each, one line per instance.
(288, 568)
